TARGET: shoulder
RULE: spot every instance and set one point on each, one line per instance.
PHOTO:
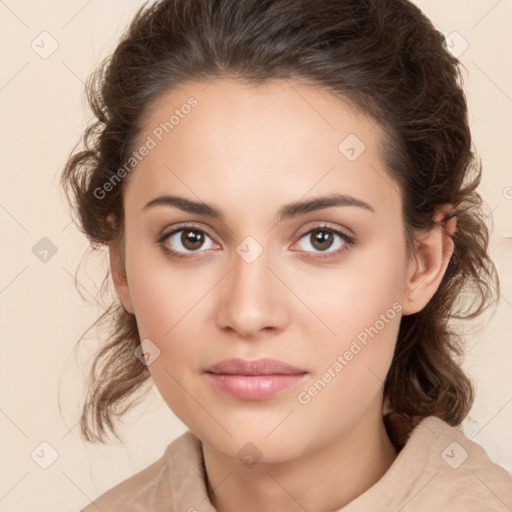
(456, 471)
(146, 490)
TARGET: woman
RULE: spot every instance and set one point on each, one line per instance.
(285, 188)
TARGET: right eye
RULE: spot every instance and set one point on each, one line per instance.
(185, 239)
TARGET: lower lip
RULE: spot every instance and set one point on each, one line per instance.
(254, 387)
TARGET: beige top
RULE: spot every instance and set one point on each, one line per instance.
(438, 469)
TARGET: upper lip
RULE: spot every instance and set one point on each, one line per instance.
(263, 366)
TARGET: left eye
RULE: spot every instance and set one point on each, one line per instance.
(323, 238)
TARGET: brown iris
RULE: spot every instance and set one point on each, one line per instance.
(192, 239)
(322, 238)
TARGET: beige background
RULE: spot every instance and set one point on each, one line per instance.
(42, 315)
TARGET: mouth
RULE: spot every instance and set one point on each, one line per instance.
(263, 366)
(254, 380)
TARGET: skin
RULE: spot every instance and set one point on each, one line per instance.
(249, 151)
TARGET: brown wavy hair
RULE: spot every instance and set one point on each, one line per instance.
(387, 59)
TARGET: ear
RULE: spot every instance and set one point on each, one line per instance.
(431, 258)
(118, 270)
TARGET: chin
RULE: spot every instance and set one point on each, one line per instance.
(251, 444)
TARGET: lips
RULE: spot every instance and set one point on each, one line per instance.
(254, 380)
(263, 366)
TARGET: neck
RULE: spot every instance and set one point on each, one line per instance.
(323, 480)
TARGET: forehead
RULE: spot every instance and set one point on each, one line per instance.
(240, 142)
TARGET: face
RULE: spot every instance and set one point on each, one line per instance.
(317, 288)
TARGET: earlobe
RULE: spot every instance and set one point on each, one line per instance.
(118, 270)
(426, 270)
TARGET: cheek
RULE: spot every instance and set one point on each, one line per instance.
(162, 294)
(154, 304)
(166, 311)
(350, 371)
(169, 305)
(360, 310)
(347, 299)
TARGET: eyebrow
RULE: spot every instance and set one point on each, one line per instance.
(288, 211)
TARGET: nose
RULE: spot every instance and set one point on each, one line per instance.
(252, 300)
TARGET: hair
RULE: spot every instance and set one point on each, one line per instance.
(382, 56)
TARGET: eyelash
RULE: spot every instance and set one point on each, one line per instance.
(348, 241)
